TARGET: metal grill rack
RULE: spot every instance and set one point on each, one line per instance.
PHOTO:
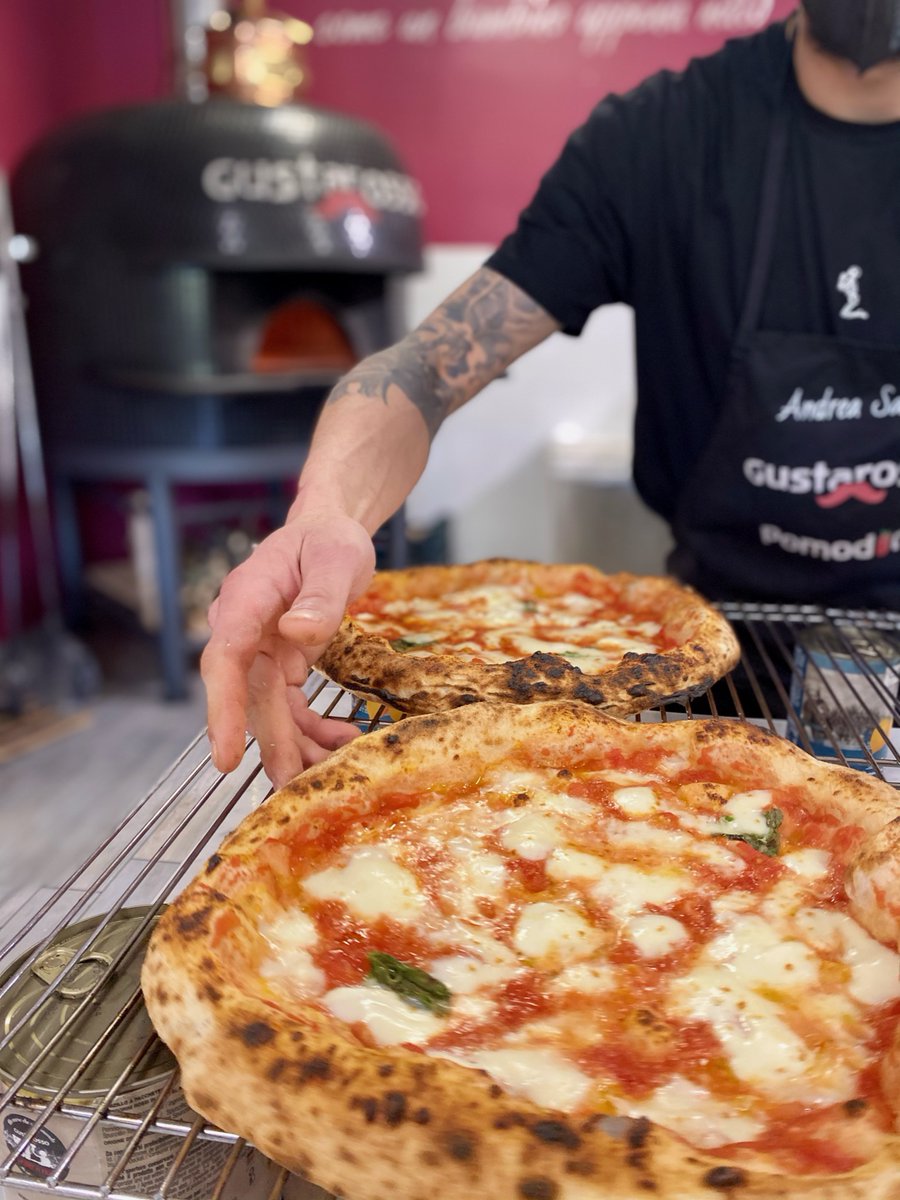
(151, 1147)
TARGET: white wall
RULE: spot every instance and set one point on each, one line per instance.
(569, 401)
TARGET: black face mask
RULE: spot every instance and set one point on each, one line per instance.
(864, 31)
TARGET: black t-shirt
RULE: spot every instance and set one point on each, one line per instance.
(654, 202)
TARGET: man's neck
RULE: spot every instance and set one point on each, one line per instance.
(835, 87)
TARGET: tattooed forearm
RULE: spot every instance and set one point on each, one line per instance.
(465, 343)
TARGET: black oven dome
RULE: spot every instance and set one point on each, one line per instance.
(224, 185)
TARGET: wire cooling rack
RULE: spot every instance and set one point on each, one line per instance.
(829, 678)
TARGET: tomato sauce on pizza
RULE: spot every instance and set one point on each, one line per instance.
(428, 639)
(533, 951)
(633, 937)
(587, 623)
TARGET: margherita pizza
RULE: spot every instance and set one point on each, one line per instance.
(429, 639)
(537, 953)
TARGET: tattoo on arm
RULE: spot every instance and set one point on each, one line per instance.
(465, 343)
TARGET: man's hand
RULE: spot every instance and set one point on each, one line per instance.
(274, 616)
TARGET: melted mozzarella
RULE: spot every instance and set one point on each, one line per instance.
(874, 969)
(641, 836)
(636, 801)
(760, 956)
(371, 885)
(531, 835)
(655, 935)
(294, 971)
(746, 811)
(627, 890)
(514, 782)
(551, 933)
(811, 864)
(540, 1075)
(477, 873)
(290, 965)
(762, 1050)
(389, 1019)
(476, 941)
(585, 977)
(743, 813)
(291, 929)
(566, 863)
(464, 975)
(691, 1111)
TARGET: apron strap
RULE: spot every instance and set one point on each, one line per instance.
(766, 224)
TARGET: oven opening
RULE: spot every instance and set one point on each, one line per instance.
(302, 334)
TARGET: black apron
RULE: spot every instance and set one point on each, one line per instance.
(787, 509)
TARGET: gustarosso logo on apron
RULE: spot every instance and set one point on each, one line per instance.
(829, 485)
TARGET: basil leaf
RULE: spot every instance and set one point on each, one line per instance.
(766, 843)
(414, 986)
(402, 644)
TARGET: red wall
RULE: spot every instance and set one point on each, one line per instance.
(476, 95)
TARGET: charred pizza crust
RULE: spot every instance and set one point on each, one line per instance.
(705, 646)
(391, 1124)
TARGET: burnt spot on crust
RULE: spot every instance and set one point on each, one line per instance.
(647, 1185)
(588, 693)
(316, 1067)
(580, 1166)
(394, 1107)
(391, 739)
(855, 1108)
(257, 1033)
(212, 862)
(276, 1068)
(318, 784)
(421, 1116)
(556, 1131)
(210, 993)
(190, 924)
(495, 1091)
(538, 1187)
(385, 1070)
(461, 1144)
(161, 995)
(367, 1105)
(723, 1178)
(638, 1132)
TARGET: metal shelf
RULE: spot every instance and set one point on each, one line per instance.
(150, 855)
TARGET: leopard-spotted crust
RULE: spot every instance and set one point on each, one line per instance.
(391, 1124)
(706, 647)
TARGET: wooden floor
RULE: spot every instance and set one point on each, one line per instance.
(65, 788)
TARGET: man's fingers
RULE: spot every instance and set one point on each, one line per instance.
(272, 722)
(327, 732)
(243, 619)
(331, 572)
(225, 680)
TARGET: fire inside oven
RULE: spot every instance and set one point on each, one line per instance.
(90, 1105)
(302, 333)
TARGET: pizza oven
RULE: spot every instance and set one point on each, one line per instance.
(203, 273)
(218, 251)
